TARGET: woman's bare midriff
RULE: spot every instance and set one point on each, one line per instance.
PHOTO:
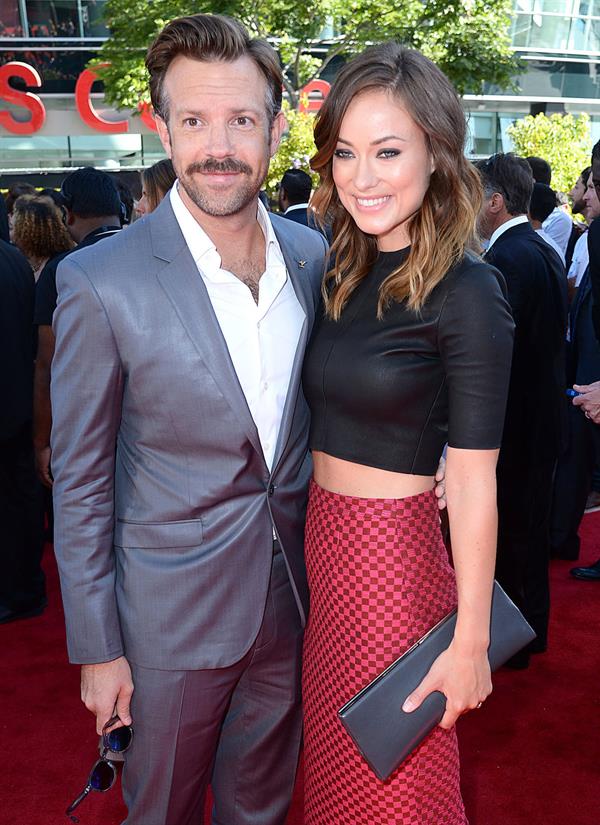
(349, 479)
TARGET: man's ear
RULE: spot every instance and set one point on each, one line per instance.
(277, 129)
(496, 203)
(163, 133)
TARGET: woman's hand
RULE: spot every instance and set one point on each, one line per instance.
(464, 679)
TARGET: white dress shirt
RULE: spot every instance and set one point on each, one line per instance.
(580, 260)
(295, 207)
(551, 242)
(503, 228)
(559, 225)
(262, 339)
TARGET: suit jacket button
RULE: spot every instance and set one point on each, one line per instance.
(271, 489)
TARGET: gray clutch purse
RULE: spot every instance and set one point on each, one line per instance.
(383, 733)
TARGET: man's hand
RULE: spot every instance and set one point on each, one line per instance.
(42, 465)
(106, 690)
(440, 484)
(589, 400)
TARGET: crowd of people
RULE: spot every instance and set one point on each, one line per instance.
(217, 410)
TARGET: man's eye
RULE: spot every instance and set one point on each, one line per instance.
(191, 121)
(242, 120)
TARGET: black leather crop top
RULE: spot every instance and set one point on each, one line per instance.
(390, 393)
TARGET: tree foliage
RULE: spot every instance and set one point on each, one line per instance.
(295, 150)
(563, 140)
(468, 39)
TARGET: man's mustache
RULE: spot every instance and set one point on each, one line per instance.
(212, 166)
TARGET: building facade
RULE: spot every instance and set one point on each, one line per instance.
(47, 44)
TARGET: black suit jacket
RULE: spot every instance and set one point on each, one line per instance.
(17, 291)
(594, 250)
(299, 216)
(535, 425)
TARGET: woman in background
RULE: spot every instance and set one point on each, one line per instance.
(39, 231)
(414, 350)
(156, 182)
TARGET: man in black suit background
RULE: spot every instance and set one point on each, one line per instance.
(535, 418)
(22, 589)
(294, 195)
(591, 387)
(92, 212)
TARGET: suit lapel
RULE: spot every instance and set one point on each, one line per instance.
(299, 276)
(187, 293)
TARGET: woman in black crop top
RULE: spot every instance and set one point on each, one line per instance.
(413, 351)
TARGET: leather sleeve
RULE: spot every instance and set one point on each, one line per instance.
(476, 340)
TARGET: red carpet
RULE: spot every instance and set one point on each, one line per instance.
(531, 755)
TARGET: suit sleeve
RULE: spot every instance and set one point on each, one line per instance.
(594, 250)
(86, 392)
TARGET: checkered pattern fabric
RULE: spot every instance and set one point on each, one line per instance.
(379, 578)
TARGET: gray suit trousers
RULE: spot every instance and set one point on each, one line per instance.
(237, 727)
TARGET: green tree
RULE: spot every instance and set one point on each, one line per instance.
(467, 38)
(563, 140)
(295, 150)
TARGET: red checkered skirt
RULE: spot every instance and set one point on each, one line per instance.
(379, 578)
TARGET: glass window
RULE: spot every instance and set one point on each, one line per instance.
(53, 18)
(542, 31)
(10, 19)
(482, 133)
(585, 35)
(33, 151)
(58, 70)
(587, 8)
(557, 6)
(92, 18)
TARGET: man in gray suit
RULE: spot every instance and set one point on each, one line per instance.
(180, 450)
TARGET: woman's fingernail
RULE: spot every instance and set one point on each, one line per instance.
(408, 706)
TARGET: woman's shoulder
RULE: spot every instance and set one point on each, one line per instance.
(471, 275)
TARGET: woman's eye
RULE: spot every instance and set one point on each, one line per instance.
(389, 153)
(342, 154)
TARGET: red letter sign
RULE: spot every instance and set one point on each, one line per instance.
(89, 115)
(147, 115)
(26, 99)
(321, 86)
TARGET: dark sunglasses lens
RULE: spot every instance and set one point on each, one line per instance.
(102, 776)
(118, 739)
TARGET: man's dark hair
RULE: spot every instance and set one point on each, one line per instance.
(511, 176)
(54, 196)
(585, 173)
(596, 151)
(542, 171)
(543, 202)
(297, 186)
(90, 193)
(125, 198)
(211, 37)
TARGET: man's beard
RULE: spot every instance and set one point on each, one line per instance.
(220, 204)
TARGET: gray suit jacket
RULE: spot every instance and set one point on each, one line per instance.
(164, 503)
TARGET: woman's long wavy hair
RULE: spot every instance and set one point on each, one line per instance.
(444, 226)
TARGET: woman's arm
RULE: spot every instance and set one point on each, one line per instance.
(462, 672)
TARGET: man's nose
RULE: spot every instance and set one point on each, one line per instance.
(219, 143)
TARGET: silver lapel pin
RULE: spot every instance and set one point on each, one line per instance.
(301, 264)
